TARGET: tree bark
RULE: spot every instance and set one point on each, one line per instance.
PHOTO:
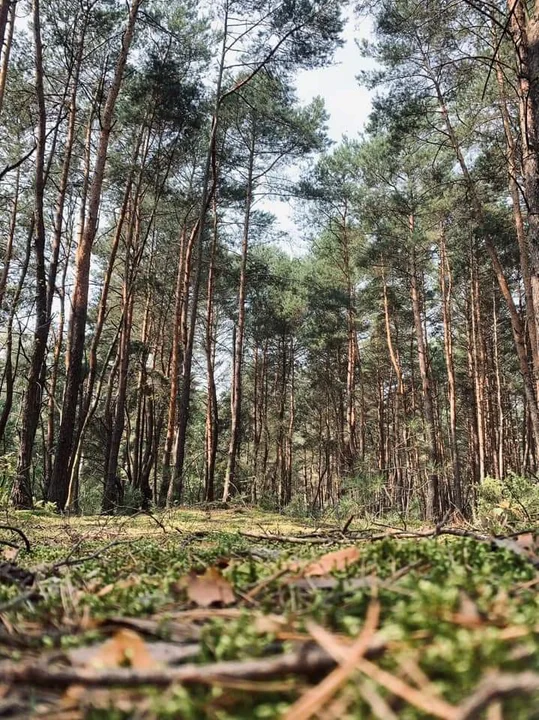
(446, 284)
(432, 510)
(230, 483)
(212, 411)
(59, 486)
(7, 16)
(21, 495)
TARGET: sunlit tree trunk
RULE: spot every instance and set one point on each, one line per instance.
(174, 371)
(446, 285)
(230, 484)
(524, 29)
(479, 213)
(22, 491)
(7, 27)
(432, 509)
(212, 412)
(59, 486)
(8, 379)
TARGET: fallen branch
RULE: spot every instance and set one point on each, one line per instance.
(439, 530)
(497, 687)
(22, 598)
(304, 540)
(432, 705)
(19, 532)
(315, 698)
(307, 661)
(70, 561)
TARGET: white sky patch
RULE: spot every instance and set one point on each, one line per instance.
(348, 105)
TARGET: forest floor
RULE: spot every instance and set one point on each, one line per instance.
(240, 614)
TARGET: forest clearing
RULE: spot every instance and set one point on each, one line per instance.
(269, 359)
(241, 614)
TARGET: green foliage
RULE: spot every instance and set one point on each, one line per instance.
(508, 503)
(8, 471)
(425, 587)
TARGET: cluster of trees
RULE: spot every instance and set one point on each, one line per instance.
(158, 345)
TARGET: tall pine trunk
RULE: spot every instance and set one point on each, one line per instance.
(59, 485)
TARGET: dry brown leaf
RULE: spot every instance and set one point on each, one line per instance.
(270, 624)
(119, 585)
(468, 614)
(526, 540)
(336, 560)
(105, 590)
(126, 648)
(161, 653)
(10, 554)
(209, 589)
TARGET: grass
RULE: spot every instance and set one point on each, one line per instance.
(451, 610)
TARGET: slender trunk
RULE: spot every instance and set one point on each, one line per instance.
(180, 301)
(230, 484)
(532, 317)
(446, 285)
(22, 492)
(103, 307)
(141, 391)
(432, 505)
(500, 427)
(9, 370)
(479, 212)
(6, 41)
(352, 357)
(524, 30)
(59, 486)
(72, 504)
(291, 424)
(11, 237)
(175, 490)
(113, 490)
(51, 414)
(212, 412)
(477, 367)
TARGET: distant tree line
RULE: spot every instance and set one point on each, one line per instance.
(158, 345)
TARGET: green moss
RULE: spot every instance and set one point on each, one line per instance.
(421, 607)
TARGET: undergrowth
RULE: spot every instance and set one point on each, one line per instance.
(451, 609)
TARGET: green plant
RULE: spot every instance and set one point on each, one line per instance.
(510, 502)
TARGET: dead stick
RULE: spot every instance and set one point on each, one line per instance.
(496, 687)
(19, 532)
(307, 661)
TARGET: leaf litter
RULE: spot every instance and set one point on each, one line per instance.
(432, 628)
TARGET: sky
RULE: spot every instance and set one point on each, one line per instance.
(347, 104)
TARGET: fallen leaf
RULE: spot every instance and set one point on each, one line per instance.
(271, 624)
(178, 632)
(524, 544)
(106, 590)
(527, 541)
(119, 585)
(10, 554)
(160, 653)
(126, 649)
(468, 614)
(208, 589)
(336, 560)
